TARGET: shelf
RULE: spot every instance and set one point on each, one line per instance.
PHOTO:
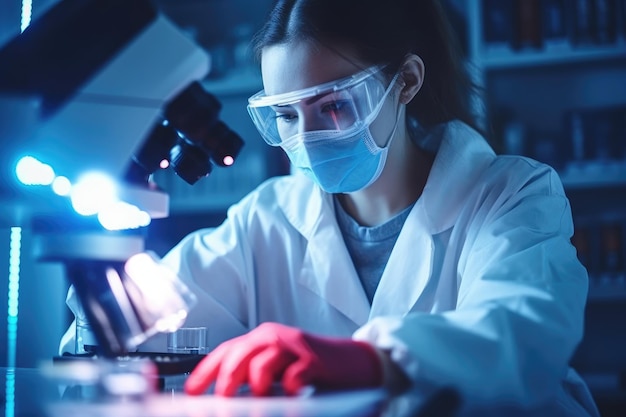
(593, 175)
(500, 55)
(614, 291)
(507, 58)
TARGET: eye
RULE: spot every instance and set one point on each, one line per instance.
(285, 117)
(335, 106)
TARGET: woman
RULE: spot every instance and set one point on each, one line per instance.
(403, 250)
(408, 248)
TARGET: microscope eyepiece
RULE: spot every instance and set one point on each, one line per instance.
(191, 138)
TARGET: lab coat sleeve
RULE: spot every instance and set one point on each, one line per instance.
(520, 306)
(216, 264)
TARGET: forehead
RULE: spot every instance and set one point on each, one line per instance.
(294, 66)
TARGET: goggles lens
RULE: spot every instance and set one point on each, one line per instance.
(334, 106)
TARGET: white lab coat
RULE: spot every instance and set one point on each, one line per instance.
(482, 291)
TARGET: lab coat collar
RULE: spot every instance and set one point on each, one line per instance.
(408, 269)
(327, 268)
(462, 154)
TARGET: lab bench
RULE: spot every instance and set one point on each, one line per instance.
(33, 392)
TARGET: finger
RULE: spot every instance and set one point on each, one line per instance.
(298, 375)
(233, 371)
(266, 367)
(205, 371)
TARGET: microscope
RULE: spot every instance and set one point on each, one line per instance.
(106, 90)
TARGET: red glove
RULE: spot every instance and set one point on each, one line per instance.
(274, 352)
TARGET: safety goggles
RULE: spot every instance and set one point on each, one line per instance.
(337, 106)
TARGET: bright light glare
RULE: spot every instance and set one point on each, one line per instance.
(164, 164)
(228, 160)
(27, 12)
(92, 193)
(125, 383)
(32, 172)
(171, 323)
(122, 216)
(161, 296)
(61, 186)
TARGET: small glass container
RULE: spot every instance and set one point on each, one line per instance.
(188, 340)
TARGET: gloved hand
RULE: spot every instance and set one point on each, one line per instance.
(275, 352)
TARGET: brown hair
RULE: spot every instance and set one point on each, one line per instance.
(384, 32)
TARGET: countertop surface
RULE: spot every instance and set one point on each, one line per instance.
(38, 392)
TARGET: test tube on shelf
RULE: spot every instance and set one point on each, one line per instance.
(612, 254)
(578, 137)
(514, 138)
(605, 21)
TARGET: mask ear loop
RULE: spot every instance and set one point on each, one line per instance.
(395, 79)
(385, 148)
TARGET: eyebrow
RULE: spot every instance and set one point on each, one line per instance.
(307, 102)
(317, 98)
(281, 106)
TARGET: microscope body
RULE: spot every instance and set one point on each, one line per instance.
(92, 85)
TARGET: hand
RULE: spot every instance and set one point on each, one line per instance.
(273, 352)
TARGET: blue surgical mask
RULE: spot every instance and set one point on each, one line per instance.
(342, 161)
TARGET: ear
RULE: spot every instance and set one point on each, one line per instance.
(412, 73)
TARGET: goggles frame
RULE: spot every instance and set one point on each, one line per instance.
(263, 110)
(261, 100)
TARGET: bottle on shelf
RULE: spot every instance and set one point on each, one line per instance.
(578, 137)
(528, 24)
(537, 31)
(605, 22)
(554, 23)
(612, 254)
(581, 24)
(497, 30)
(514, 136)
(597, 138)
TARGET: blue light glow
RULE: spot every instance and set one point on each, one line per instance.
(30, 171)
(62, 186)
(13, 296)
(9, 389)
(121, 215)
(27, 11)
(92, 193)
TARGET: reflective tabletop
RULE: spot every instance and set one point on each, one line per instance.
(36, 392)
